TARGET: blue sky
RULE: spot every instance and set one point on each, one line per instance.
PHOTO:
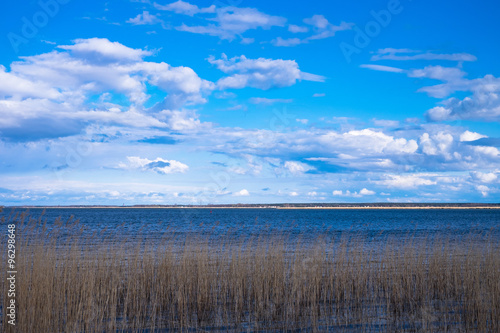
(236, 101)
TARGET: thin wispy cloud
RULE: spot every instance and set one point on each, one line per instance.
(185, 8)
(269, 101)
(227, 22)
(145, 19)
(408, 55)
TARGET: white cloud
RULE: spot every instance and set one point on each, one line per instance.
(242, 193)
(18, 87)
(293, 194)
(410, 181)
(185, 8)
(356, 194)
(471, 136)
(297, 168)
(491, 152)
(324, 29)
(47, 95)
(382, 68)
(440, 144)
(260, 73)
(302, 121)
(319, 95)
(233, 21)
(144, 19)
(318, 21)
(364, 191)
(182, 83)
(483, 189)
(484, 104)
(97, 48)
(159, 165)
(438, 113)
(430, 147)
(369, 141)
(481, 177)
(182, 120)
(438, 73)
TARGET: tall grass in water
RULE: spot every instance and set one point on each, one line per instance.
(79, 284)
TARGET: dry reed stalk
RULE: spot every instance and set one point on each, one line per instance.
(70, 282)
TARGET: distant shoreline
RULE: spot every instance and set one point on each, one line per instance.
(391, 207)
(350, 207)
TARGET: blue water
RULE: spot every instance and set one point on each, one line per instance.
(306, 224)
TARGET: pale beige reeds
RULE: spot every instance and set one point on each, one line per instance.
(80, 284)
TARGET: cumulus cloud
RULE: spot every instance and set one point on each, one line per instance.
(487, 177)
(78, 72)
(16, 86)
(44, 91)
(95, 49)
(242, 193)
(297, 168)
(484, 104)
(429, 148)
(182, 83)
(158, 165)
(491, 152)
(364, 191)
(471, 136)
(437, 144)
(182, 120)
(483, 189)
(260, 73)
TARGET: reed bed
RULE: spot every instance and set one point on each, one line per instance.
(68, 281)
